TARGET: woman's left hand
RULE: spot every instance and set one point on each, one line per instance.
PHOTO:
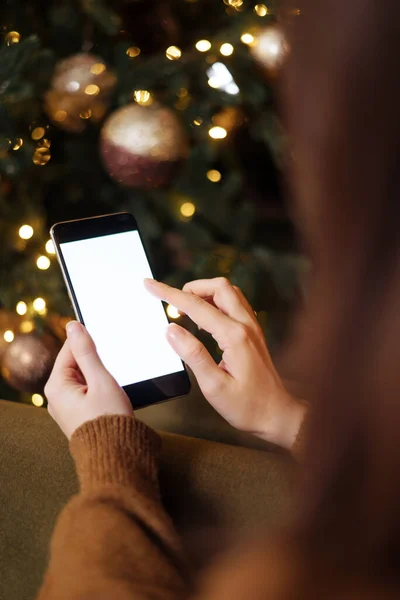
(80, 388)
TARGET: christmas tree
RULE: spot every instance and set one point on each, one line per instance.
(163, 109)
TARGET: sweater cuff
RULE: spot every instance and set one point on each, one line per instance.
(115, 449)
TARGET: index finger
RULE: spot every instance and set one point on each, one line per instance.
(201, 312)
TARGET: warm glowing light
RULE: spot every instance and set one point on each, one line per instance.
(143, 97)
(261, 10)
(8, 336)
(26, 327)
(50, 247)
(203, 45)
(38, 133)
(197, 122)
(37, 400)
(97, 68)
(85, 114)
(173, 312)
(270, 48)
(41, 156)
(43, 263)
(247, 38)
(188, 209)
(92, 90)
(217, 133)
(214, 175)
(60, 116)
(39, 304)
(133, 51)
(21, 308)
(19, 142)
(25, 232)
(221, 78)
(173, 53)
(226, 49)
(234, 3)
(12, 37)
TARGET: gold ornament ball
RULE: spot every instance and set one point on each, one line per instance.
(80, 91)
(270, 48)
(142, 146)
(28, 361)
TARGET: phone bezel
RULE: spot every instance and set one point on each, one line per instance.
(144, 393)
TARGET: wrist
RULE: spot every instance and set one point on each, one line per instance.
(283, 425)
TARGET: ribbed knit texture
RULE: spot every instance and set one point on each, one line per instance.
(112, 448)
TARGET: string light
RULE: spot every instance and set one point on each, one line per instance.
(50, 247)
(133, 51)
(37, 400)
(226, 49)
(8, 336)
(60, 116)
(19, 142)
(221, 78)
(217, 133)
(38, 133)
(41, 156)
(261, 10)
(143, 97)
(234, 3)
(197, 122)
(85, 114)
(214, 175)
(26, 327)
(21, 308)
(203, 45)
(25, 232)
(43, 263)
(98, 68)
(92, 89)
(12, 37)
(247, 38)
(173, 312)
(188, 209)
(39, 304)
(173, 53)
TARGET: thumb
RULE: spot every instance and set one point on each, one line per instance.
(84, 351)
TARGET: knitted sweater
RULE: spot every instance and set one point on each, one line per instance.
(115, 541)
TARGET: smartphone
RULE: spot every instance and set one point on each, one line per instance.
(104, 263)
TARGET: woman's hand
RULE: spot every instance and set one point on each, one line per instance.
(80, 388)
(245, 387)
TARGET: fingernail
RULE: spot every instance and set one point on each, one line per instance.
(73, 328)
(175, 332)
(149, 281)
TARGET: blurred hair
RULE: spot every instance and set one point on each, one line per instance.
(341, 99)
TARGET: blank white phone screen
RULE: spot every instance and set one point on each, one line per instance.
(127, 324)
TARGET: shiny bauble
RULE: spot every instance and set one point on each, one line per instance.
(80, 91)
(142, 146)
(270, 49)
(28, 361)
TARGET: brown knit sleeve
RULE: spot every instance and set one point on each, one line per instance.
(114, 539)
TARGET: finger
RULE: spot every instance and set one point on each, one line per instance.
(210, 378)
(84, 352)
(223, 295)
(65, 365)
(64, 360)
(244, 301)
(201, 312)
